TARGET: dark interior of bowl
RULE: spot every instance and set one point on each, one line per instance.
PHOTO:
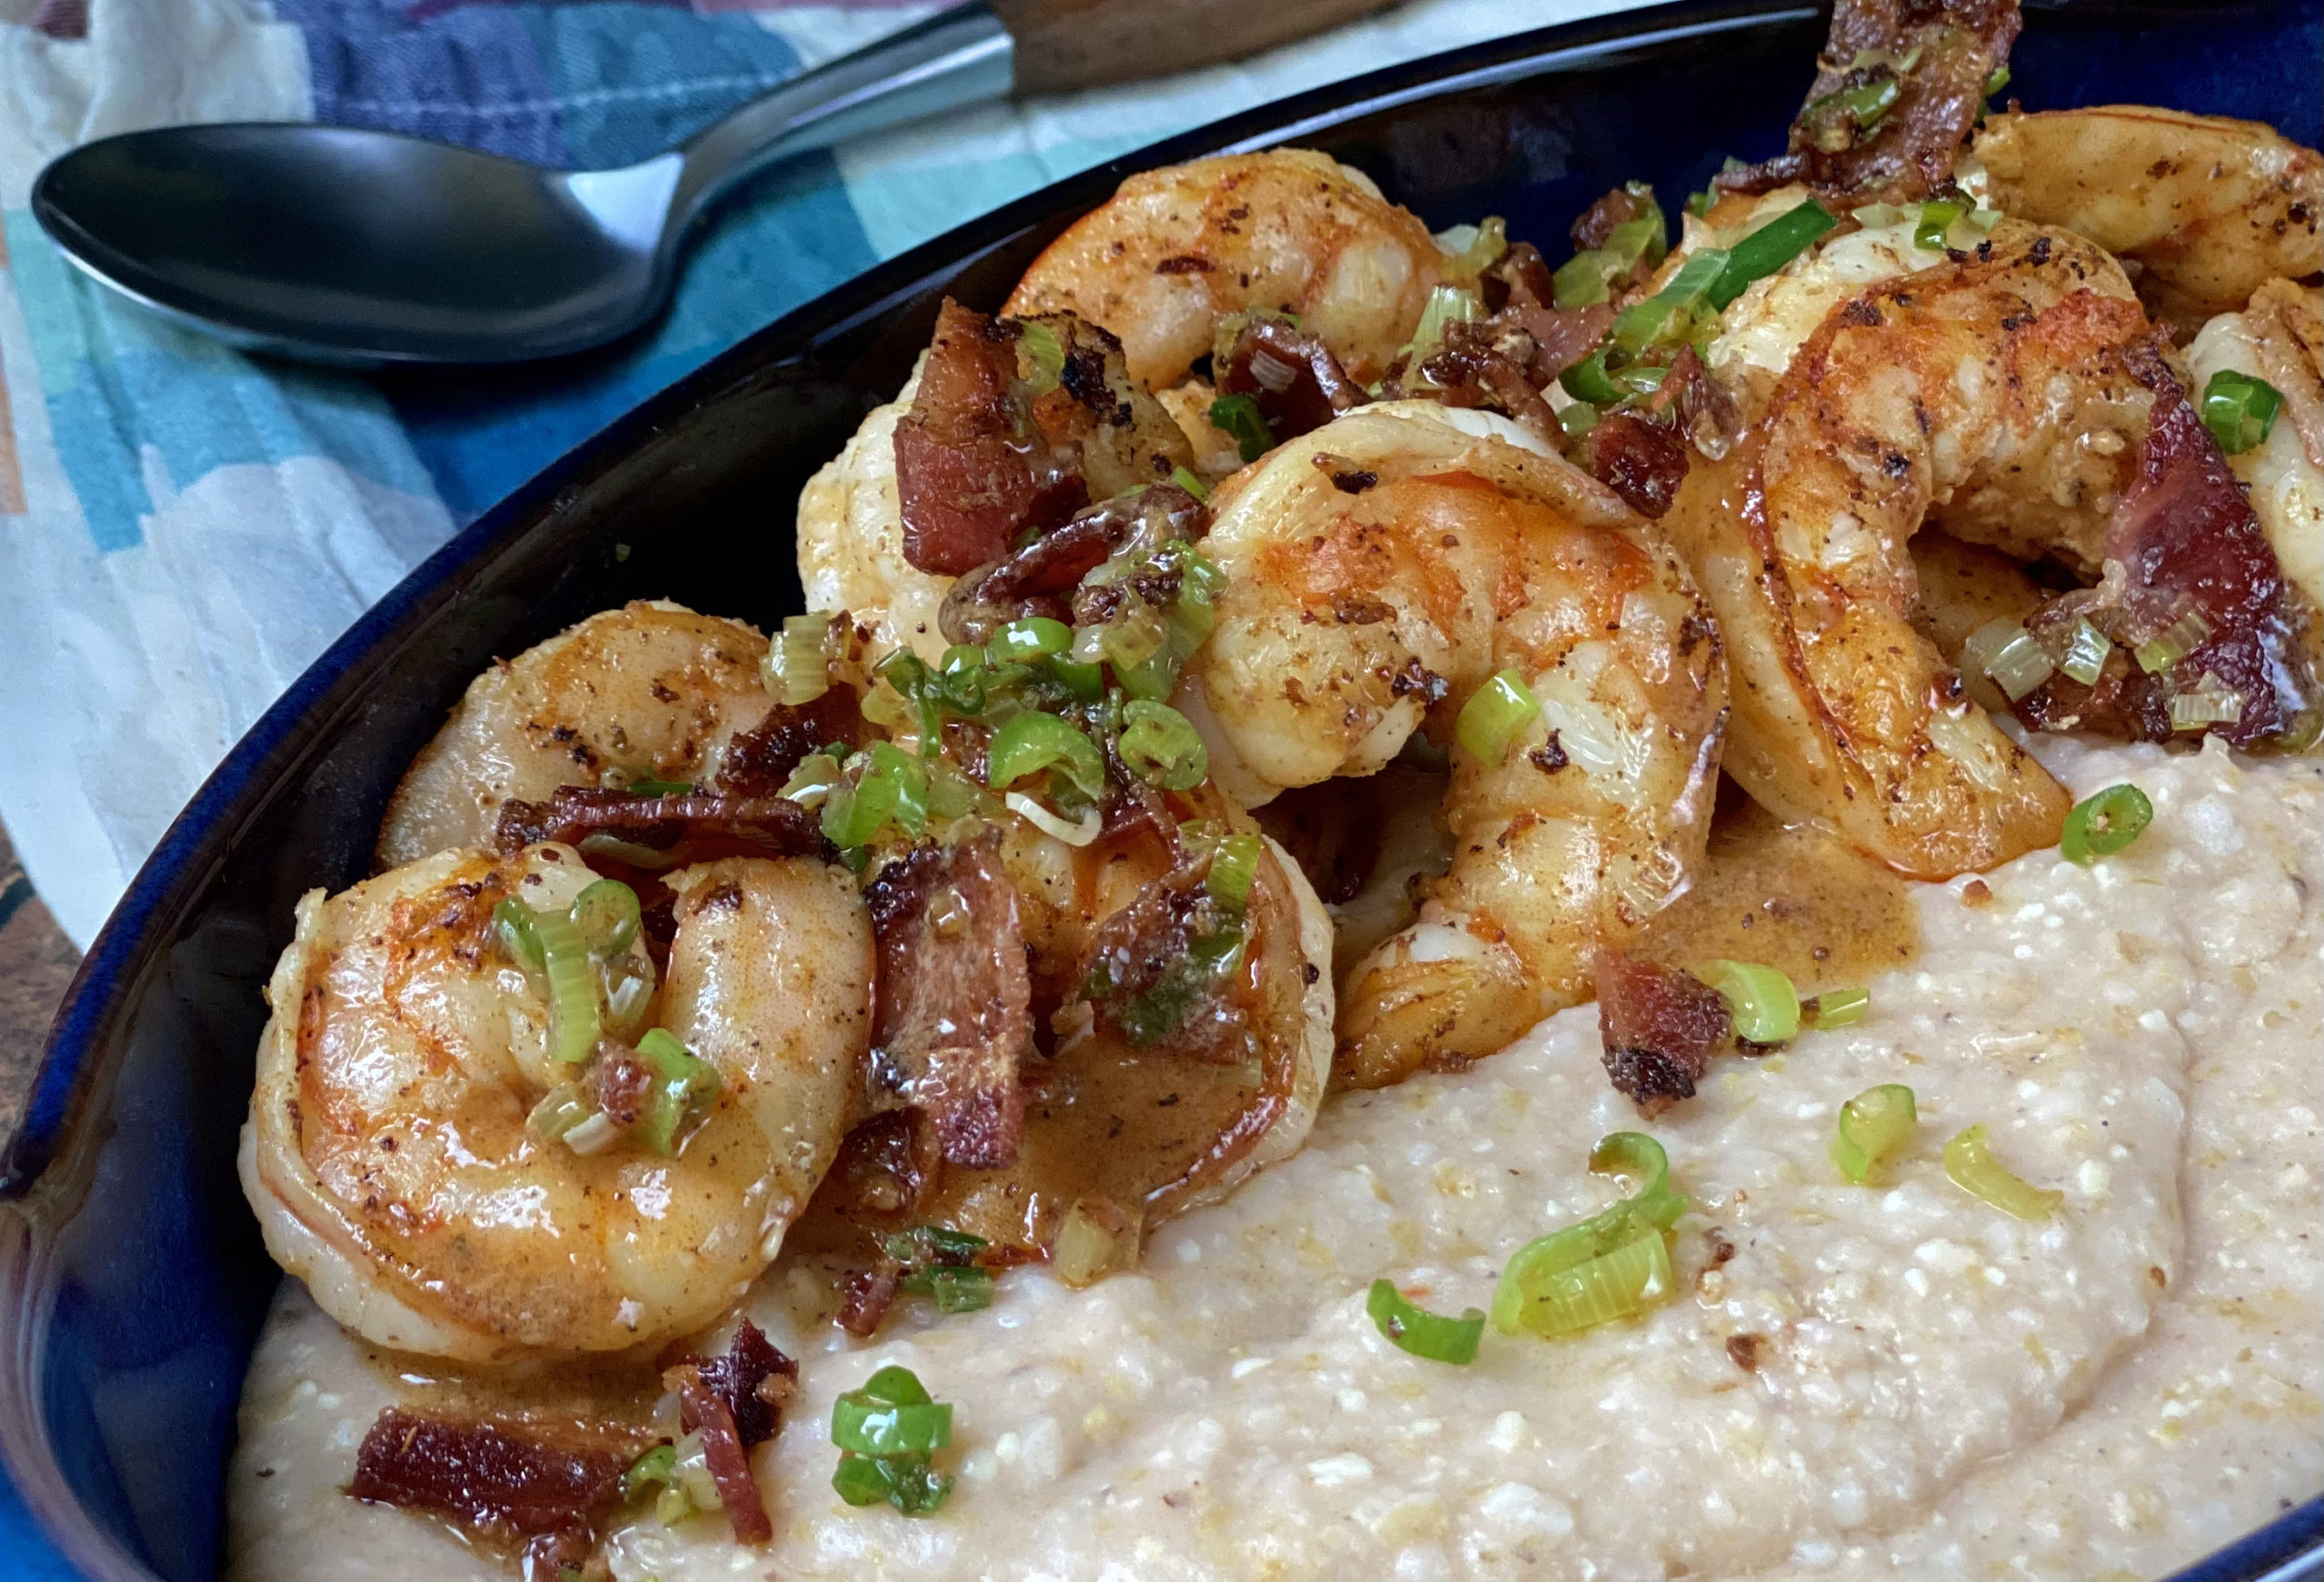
(135, 1282)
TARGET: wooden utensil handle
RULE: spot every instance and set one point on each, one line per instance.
(1063, 44)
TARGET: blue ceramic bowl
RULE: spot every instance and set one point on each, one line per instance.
(132, 1279)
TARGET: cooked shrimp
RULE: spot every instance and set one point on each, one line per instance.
(388, 1155)
(1380, 570)
(1177, 249)
(1991, 398)
(850, 536)
(650, 691)
(2204, 208)
(2279, 338)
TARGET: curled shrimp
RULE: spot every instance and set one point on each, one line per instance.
(1177, 249)
(2205, 209)
(2012, 397)
(650, 692)
(1381, 569)
(2279, 337)
(389, 1153)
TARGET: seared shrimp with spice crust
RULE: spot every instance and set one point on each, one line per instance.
(1382, 572)
(463, 1159)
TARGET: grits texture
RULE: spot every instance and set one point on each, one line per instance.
(1937, 1389)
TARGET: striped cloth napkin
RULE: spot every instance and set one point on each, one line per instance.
(184, 528)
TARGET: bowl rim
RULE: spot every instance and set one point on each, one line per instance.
(40, 1162)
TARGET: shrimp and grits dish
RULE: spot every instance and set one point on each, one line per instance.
(1414, 906)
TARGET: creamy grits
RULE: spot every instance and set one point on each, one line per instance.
(1892, 1382)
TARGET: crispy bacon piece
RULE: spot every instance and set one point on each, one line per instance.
(865, 1297)
(972, 469)
(734, 1402)
(1594, 226)
(759, 762)
(1144, 950)
(698, 827)
(1909, 150)
(1292, 374)
(1661, 1028)
(1041, 578)
(2188, 541)
(618, 1082)
(507, 1481)
(1640, 458)
(952, 999)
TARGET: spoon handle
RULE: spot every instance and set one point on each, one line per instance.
(975, 52)
(955, 58)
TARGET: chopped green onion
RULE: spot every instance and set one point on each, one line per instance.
(891, 1415)
(658, 1465)
(1875, 216)
(1578, 419)
(2020, 663)
(560, 1110)
(1836, 1008)
(608, 915)
(512, 925)
(1869, 102)
(1075, 832)
(1588, 380)
(1875, 1125)
(1642, 379)
(1494, 715)
(893, 785)
(1996, 81)
(907, 1482)
(1765, 1006)
(681, 1083)
(1937, 216)
(1445, 305)
(573, 1026)
(628, 987)
(933, 1245)
(1191, 483)
(660, 788)
(1659, 317)
(811, 783)
(1044, 356)
(1031, 638)
(796, 669)
(1581, 280)
(1424, 1333)
(1030, 743)
(2181, 638)
(2103, 824)
(1628, 1279)
(2205, 706)
(1645, 239)
(2240, 410)
(1159, 743)
(1240, 417)
(1234, 864)
(1973, 1169)
(1768, 249)
(2086, 651)
(955, 1290)
(1471, 250)
(1543, 1288)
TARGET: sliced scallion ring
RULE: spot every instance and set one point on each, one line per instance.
(1937, 216)
(1159, 744)
(681, 1083)
(1647, 1216)
(1416, 1330)
(512, 926)
(2085, 655)
(1044, 356)
(2240, 410)
(1588, 380)
(1836, 1008)
(1874, 1126)
(796, 669)
(608, 915)
(878, 1420)
(573, 1027)
(1969, 1161)
(1234, 864)
(2101, 825)
(1185, 479)
(1494, 715)
(1762, 1000)
(1030, 743)
(1034, 637)
(1628, 1279)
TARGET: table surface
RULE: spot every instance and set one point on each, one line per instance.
(36, 961)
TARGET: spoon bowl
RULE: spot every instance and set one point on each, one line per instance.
(365, 247)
